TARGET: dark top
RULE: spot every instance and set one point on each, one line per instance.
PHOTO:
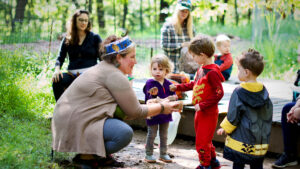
(252, 113)
(163, 92)
(80, 56)
(297, 81)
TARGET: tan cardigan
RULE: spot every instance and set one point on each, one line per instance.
(79, 114)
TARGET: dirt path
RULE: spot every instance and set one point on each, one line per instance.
(185, 156)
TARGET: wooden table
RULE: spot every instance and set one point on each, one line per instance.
(186, 125)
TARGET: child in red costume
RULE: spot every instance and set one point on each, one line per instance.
(207, 92)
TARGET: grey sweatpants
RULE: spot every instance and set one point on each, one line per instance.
(163, 135)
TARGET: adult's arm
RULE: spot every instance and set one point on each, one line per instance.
(121, 90)
(61, 54)
(98, 42)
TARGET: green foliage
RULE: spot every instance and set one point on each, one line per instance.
(277, 38)
(25, 135)
(242, 31)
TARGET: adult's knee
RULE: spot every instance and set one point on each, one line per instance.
(127, 134)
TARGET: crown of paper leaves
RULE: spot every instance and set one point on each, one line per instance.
(118, 46)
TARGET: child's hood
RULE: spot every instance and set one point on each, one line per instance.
(253, 94)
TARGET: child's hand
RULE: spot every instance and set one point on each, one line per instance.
(221, 131)
(172, 88)
(197, 107)
(153, 91)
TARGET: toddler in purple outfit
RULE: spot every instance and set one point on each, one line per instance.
(158, 87)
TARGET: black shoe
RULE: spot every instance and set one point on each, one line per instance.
(285, 161)
(84, 164)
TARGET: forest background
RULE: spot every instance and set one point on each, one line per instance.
(29, 30)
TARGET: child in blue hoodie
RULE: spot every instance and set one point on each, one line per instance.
(249, 119)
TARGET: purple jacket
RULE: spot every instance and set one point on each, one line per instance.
(163, 92)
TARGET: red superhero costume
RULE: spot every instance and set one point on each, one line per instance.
(207, 92)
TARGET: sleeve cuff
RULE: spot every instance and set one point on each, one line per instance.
(227, 126)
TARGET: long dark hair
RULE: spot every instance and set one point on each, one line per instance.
(72, 37)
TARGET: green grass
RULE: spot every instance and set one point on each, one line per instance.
(25, 133)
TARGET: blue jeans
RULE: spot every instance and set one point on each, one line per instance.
(117, 135)
(290, 131)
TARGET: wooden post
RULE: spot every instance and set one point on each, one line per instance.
(114, 9)
(151, 52)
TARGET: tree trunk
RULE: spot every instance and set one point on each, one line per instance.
(141, 16)
(236, 13)
(249, 15)
(19, 15)
(222, 19)
(64, 20)
(100, 14)
(114, 11)
(90, 6)
(163, 16)
(76, 4)
(125, 11)
(292, 12)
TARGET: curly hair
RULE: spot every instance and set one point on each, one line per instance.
(72, 37)
(163, 61)
(252, 60)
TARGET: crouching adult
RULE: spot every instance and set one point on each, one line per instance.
(83, 119)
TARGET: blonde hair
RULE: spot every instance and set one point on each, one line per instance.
(202, 44)
(222, 38)
(163, 61)
(177, 26)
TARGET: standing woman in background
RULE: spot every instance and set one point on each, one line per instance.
(82, 47)
(177, 32)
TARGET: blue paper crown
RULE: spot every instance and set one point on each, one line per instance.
(118, 46)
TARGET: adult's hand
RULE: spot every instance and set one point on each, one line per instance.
(170, 107)
(185, 44)
(293, 115)
(56, 74)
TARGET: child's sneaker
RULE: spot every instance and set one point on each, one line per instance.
(215, 164)
(203, 167)
(285, 161)
(165, 158)
(150, 159)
